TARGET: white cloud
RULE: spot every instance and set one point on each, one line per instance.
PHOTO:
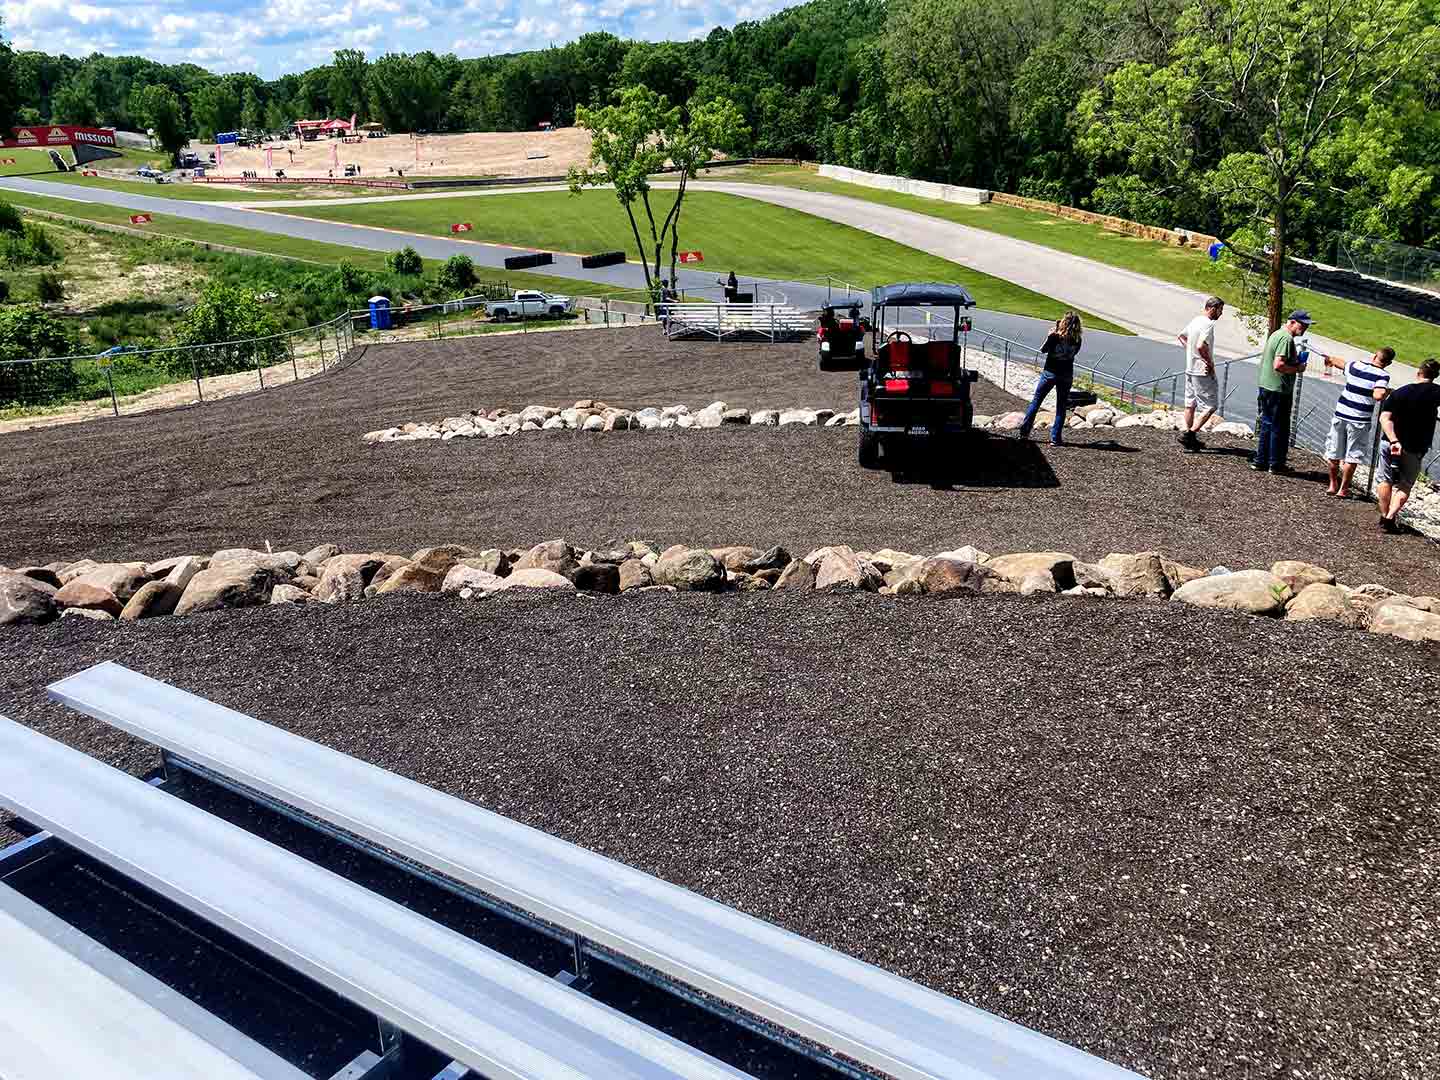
(412, 22)
(387, 7)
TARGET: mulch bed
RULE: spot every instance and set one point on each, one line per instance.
(1197, 844)
(287, 466)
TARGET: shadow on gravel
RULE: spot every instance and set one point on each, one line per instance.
(980, 461)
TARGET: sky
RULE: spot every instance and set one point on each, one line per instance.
(272, 37)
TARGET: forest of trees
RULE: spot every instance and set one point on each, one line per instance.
(1216, 115)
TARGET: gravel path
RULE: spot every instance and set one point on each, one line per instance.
(1114, 822)
(287, 466)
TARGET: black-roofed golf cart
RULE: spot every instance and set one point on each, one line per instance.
(914, 389)
(840, 336)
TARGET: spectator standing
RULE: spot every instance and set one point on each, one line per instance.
(1279, 364)
(1060, 349)
(1407, 425)
(732, 287)
(1366, 382)
(1202, 389)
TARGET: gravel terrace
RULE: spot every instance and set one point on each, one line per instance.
(1188, 841)
(287, 466)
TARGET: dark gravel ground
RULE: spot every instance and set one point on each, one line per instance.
(1200, 845)
(287, 466)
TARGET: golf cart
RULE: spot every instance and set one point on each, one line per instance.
(911, 389)
(841, 335)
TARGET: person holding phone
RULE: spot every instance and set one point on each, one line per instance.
(1279, 364)
(1060, 349)
(1407, 426)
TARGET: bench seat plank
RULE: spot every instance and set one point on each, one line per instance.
(483, 1009)
(74, 1008)
(884, 1021)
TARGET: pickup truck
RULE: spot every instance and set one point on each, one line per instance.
(529, 305)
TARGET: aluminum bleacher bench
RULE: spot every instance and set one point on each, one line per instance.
(888, 1024)
(483, 1009)
(73, 1008)
(739, 322)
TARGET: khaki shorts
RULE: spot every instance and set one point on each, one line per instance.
(1400, 472)
(1348, 441)
(1202, 392)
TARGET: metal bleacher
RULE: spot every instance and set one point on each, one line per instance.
(444, 989)
(736, 322)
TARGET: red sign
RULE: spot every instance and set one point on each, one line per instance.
(7, 161)
(461, 226)
(692, 256)
(89, 172)
(59, 135)
(139, 219)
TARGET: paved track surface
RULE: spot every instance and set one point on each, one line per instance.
(287, 466)
(1193, 843)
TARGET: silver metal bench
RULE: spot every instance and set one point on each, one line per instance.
(74, 1008)
(484, 1010)
(740, 322)
(887, 1023)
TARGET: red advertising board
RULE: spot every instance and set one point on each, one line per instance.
(7, 161)
(58, 135)
(460, 226)
(89, 172)
(692, 256)
(139, 219)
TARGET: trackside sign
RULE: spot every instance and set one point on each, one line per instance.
(59, 135)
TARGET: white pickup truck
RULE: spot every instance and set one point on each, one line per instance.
(530, 305)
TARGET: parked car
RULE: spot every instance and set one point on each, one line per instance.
(529, 305)
(914, 393)
(145, 172)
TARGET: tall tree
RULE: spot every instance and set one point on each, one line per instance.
(159, 109)
(10, 90)
(348, 83)
(74, 103)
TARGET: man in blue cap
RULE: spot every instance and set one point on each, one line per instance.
(1279, 364)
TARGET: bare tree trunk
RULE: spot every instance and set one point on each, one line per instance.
(639, 247)
(1276, 308)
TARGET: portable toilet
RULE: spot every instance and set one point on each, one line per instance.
(379, 313)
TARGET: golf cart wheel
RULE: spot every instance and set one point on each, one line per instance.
(869, 450)
(501, 315)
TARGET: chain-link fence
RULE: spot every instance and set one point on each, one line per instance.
(1389, 260)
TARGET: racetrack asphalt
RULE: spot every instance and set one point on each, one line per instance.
(1195, 843)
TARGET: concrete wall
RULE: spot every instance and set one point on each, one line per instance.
(925, 189)
(1178, 237)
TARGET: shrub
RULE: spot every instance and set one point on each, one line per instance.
(405, 261)
(458, 273)
(1131, 198)
(4, 290)
(31, 246)
(28, 331)
(353, 281)
(50, 288)
(10, 220)
(1033, 187)
(231, 318)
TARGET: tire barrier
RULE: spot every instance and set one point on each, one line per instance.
(605, 258)
(524, 262)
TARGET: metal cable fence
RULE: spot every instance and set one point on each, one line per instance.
(1389, 261)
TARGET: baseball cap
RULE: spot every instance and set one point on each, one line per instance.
(1301, 316)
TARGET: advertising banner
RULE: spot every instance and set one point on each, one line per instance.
(692, 256)
(59, 135)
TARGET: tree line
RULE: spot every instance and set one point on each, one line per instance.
(1301, 119)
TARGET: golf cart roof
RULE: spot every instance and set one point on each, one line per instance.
(837, 302)
(921, 295)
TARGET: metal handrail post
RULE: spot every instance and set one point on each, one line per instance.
(195, 370)
(1295, 409)
(290, 348)
(1374, 459)
(320, 342)
(1224, 389)
(110, 382)
(255, 353)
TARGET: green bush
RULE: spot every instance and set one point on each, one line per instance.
(1033, 187)
(458, 273)
(28, 331)
(1129, 197)
(50, 288)
(10, 220)
(31, 246)
(405, 261)
(230, 318)
(4, 290)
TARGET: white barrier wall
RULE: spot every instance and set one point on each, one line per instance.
(926, 189)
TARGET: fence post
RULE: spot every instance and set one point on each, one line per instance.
(195, 370)
(1005, 369)
(110, 382)
(1374, 458)
(290, 348)
(320, 341)
(255, 354)
(1295, 409)
(606, 302)
(772, 324)
(1224, 389)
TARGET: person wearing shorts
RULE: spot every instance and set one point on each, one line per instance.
(1348, 444)
(1202, 389)
(1407, 425)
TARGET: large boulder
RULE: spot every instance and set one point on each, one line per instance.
(346, 576)
(89, 597)
(185, 568)
(800, 574)
(392, 565)
(290, 594)
(967, 553)
(1298, 575)
(153, 598)
(557, 556)
(162, 569)
(738, 557)
(1403, 621)
(1322, 601)
(280, 565)
(1177, 574)
(634, 574)
(43, 574)
(462, 577)
(942, 576)
(1092, 576)
(1256, 592)
(535, 577)
(121, 579)
(689, 568)
(412, 577)
(1016, 567)
(25, 600)
(1137, 575)
(712, 416)
(319, 555)
(841, 566)
(491, 560)
(70, 571)
(235, 584)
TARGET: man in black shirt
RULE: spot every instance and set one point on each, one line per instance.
(1407, 421)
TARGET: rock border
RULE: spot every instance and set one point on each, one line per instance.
(246, 577)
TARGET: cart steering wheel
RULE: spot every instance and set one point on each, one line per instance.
(897, 335)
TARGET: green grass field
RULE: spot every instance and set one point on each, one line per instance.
(32, 160)
(216, 192)
(1344, 320)
(732, 232)
(269, 244)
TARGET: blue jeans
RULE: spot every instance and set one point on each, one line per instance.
(1272, 429)
(1048, 381)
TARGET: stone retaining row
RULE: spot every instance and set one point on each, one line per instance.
(243, 577)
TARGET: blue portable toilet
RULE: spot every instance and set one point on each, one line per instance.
(379, 313)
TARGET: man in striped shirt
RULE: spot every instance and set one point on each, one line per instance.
(1349, 442)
